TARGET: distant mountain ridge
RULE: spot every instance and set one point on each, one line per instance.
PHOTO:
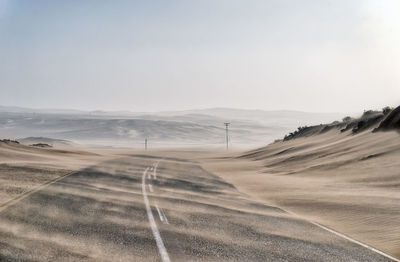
(190, 127)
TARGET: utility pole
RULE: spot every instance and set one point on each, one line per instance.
(227, 134)
(145, 144)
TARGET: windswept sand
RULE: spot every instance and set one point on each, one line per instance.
(350, 183)
(100, 214)
(24, 168)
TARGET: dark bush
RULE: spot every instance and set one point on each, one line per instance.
(386, 110)
(347, 119)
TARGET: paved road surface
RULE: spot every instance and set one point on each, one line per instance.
(140, 208)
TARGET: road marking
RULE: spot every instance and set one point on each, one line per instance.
(355, 241)
(165, 217)
(160, 244)
(162, 215)
(151, 188)
(159, 214)
(345, 237)
(155, 170)
(26, 194)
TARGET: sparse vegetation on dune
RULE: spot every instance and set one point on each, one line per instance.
(43, 145)
(336, 174)
(387, 119)
(8, 141)
(392, 121)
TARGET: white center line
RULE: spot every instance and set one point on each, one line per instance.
(159, 214)
(160, 244)
(155, 170)
(164, 216)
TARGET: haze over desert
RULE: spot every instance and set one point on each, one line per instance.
(205, 130)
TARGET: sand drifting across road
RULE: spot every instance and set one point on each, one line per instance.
(347, 182)
(24, 168)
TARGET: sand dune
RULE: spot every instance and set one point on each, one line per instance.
(46, 140)
(101, 214)
(343, 175)
(23, 168)
(346, 180)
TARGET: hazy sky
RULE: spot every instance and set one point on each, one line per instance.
(310, 55)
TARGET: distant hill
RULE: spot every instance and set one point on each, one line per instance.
(285, 118)
(15, 109)
(45, 140)
(193, 127)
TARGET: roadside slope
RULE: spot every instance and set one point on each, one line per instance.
(345, 178)
(144, 208)
(23, 168)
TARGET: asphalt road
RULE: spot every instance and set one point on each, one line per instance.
(141, 208)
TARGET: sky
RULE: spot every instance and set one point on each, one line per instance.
(308, 55)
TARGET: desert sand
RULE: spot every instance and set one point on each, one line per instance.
(349, 183)
(24, 168)
(346, 181)
(104, 213)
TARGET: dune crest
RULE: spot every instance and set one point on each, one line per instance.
(342, 175)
